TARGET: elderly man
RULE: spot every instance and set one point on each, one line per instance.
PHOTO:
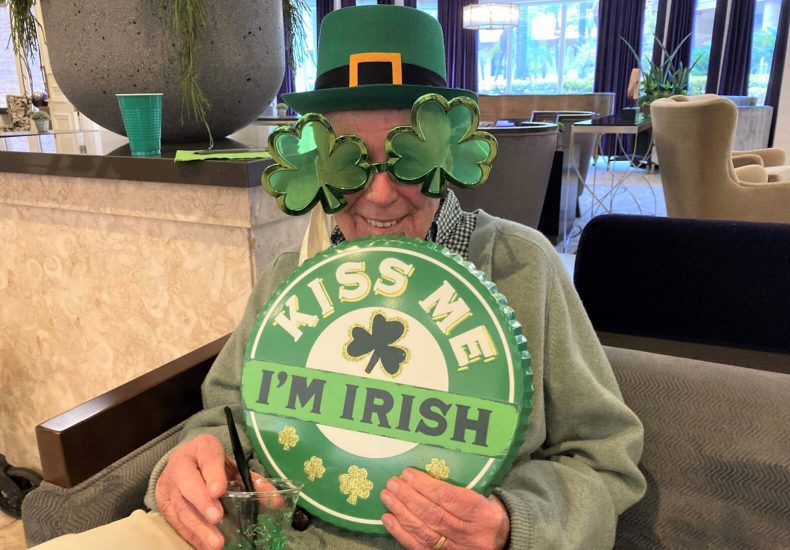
(577, 467)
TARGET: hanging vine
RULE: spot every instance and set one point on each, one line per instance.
(189, 16)
(295, 31)
(23, 32)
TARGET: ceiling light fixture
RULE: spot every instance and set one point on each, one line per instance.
(494, 15)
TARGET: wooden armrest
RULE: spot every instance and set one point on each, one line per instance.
(82, 441)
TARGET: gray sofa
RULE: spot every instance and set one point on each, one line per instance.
(753, 128)
(716, 457)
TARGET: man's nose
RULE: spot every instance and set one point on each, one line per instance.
(381, 190)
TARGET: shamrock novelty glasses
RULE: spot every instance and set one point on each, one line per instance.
(442, 144)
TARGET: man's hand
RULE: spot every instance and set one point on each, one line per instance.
(427, 513)
(188, 490)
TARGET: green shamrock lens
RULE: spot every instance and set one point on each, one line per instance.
(442, 144)
(312, 165)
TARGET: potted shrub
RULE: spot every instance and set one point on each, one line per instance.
(662, 80)
(217, 63)
(41, 119)
(282, 110)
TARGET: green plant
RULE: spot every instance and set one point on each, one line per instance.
(189, 17)
(40, 115)
(664, 79)
(23, 32)
(295, 31)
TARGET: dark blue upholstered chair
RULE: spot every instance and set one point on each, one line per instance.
(706, 289)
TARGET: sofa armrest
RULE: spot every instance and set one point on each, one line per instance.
(77, 444)
(50, 511)
(746, 159)
(751, 173)
(770, 156)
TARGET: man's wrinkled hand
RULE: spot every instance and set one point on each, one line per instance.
(426, 513)
(189, 488)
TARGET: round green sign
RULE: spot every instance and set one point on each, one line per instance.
(380, 354)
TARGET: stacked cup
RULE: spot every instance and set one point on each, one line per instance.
(142, 118)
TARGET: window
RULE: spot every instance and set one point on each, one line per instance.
(9, 82)
(9, 76)
(306, 72)
(304, 77)
(649, 21)
(551, 50)
(700, 44)
(431, 7)
(766, 22)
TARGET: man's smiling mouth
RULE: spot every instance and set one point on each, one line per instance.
(381, 224)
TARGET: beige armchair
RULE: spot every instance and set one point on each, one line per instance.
(772, 159)
(693, 136)
(763, 157)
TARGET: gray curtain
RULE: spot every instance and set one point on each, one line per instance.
(728, 74)
(777, 65)
(679, 26)
(322, 7)
(460, 45)
(613, 60)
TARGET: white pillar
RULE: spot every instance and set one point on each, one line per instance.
(782, 134)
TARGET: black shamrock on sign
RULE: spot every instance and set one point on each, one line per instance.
(379, 340)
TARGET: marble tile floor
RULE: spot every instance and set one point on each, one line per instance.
(639, 193)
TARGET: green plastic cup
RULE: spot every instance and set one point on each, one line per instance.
(142, 118)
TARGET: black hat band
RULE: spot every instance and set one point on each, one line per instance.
(379, 72)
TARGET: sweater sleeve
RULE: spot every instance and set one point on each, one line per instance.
(578, 468)
(221, 387)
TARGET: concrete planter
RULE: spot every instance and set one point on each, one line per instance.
(99, 48)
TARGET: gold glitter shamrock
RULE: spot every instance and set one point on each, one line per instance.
(355, 484)
(438, 469)
(314, 468)
(288, 438)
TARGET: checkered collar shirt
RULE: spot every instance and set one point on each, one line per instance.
(451, 227)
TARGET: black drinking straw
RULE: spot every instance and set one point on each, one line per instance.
(244, 470)
(238, 453)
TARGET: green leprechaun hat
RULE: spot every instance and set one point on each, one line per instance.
(376, 57)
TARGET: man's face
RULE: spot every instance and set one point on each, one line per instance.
(384, 207)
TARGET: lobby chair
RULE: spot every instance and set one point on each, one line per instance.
(770, 158)
(705, 289)
(693, 136)
(96, 458)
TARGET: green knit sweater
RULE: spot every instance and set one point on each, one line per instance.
(577, 468)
